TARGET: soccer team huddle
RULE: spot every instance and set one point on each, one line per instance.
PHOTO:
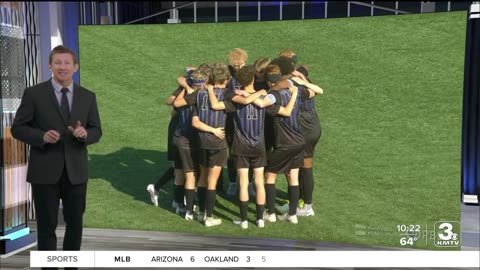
(260, 119)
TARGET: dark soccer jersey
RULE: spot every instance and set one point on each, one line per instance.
(184, 135)
(214, 118)
(308, 113)
(287, 129)
(308, 116)
(172, 125)
(177, 91)
(232, 85)
(249, 122)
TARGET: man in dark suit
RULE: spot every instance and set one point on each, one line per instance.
(58, 119)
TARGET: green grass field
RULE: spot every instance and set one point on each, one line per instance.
(390, 115)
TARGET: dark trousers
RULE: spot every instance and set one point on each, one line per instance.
(46, 200)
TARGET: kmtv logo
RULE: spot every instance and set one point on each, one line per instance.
(447, 234)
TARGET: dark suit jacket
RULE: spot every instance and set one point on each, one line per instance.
(39, 112)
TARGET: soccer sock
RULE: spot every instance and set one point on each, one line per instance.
(300, 183)
(308, 185)
(164, 178)
(190, 194)
(178, 193)
(211, 196)
(243, 210)
(260, 208)
(202, 195)
(293, 192)
(232, 171)
(271, 193)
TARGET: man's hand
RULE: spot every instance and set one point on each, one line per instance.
(295, 73)
(51, 136)
(263, 92)
(299, 80)
(240, 92)
(79, 132)
(219, 132)
(189, 90)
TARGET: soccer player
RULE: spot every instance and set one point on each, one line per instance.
(248, 145)
(213, 154)
(153, 189)
(182, 81)
(287, 155)
(186, 140)
(237, 59)
(310, 128)
(169, 174)
(260, 83)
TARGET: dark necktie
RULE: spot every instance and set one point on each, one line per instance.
(64, 104)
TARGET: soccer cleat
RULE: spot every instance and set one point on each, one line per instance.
(181, 210)
(260, 223)
(188, 216)
(286, 217)
(282, 208)
(201, 217)
(269, 217)
(153, 194)
(175, 204)
(232, 189)
(210, 221)
(242, 224)
(251, 190)
(304, 212)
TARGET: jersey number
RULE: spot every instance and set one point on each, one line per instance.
(205, 103)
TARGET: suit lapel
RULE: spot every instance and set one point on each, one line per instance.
(53, 98)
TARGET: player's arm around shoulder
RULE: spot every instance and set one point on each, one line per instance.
(287, 111)
(265, 100)
(214, 103)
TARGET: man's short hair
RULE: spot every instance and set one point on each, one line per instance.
(236, 57)
(285, 64)
(61, 49)
(245, 75)
(220, 73)
(272, 73)
(199, 77)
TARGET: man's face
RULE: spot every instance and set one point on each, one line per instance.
(63, 67)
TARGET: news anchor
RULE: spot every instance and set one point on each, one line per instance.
(58, 119)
